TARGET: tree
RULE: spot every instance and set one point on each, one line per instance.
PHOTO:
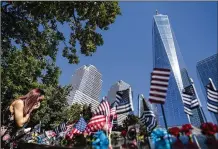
(87, 112)
(130, 120)
(54, 109)
(36, 26)
(31, 36)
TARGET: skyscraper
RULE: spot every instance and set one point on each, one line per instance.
(118, 86)
(208, 68)
(165, 56)
(86, 86)
(197, 118)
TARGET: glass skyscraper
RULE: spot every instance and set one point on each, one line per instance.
(165, 56)
(208, 68)
(197, 118)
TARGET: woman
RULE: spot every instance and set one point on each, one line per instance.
(18, 113)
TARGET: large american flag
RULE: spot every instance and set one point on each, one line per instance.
(123, 101)
(159, 84)
(96, 123)
(103, 108)
(189, 99)
(212, 98)
(148, 117)
(60, 128)
(78, 128)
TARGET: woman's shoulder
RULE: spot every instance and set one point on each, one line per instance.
(18, 102)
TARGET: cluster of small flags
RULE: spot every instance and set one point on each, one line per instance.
(212, 97)
(106, 114)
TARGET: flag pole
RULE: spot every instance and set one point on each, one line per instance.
(149, 146)
(165, 122)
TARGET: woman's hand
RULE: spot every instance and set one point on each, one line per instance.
(36, 106)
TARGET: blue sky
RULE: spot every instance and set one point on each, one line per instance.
(127, 51)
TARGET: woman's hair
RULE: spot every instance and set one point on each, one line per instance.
(31, 99)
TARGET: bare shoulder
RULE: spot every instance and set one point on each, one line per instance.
(18, 103)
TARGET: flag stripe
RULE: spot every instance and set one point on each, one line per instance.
(159, 84)
(103, 108)
(148, 117)
(212, 98)
(123, 101)
(190, 100)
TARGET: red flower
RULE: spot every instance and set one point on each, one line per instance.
(123, 133)
(174, 131)
(186, 128)
(208, 128)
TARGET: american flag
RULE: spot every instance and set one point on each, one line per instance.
(113, 109)
(159, 84)
(212, 97)
(96, 123)
(37, 128)
(103, 108)
(189, 99)
(148, 117)
(49, 134)
(62, 127)
(69, 127)
(123, 101)
(79, 127)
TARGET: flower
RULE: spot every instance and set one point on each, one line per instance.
(208, 128)
(174, 131)
(123, 133)
(186, 128)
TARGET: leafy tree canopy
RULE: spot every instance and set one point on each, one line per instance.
(31, 35)
(36, 26)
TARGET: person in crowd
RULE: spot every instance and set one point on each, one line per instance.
(18, 113)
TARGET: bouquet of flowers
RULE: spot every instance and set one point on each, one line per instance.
(209, 129)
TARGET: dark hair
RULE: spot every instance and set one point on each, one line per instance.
(31, 98)
(42, 92)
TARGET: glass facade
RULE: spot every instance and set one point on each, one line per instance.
(164, 55)
(197, 118)
(208, 68)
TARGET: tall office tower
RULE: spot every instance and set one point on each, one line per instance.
(197, 117)
(86, 86)
(165, 56)
(119, 86)
(208, 68)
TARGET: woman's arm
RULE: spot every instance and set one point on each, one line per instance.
(19, 115)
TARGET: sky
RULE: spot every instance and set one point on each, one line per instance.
(127, 51)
